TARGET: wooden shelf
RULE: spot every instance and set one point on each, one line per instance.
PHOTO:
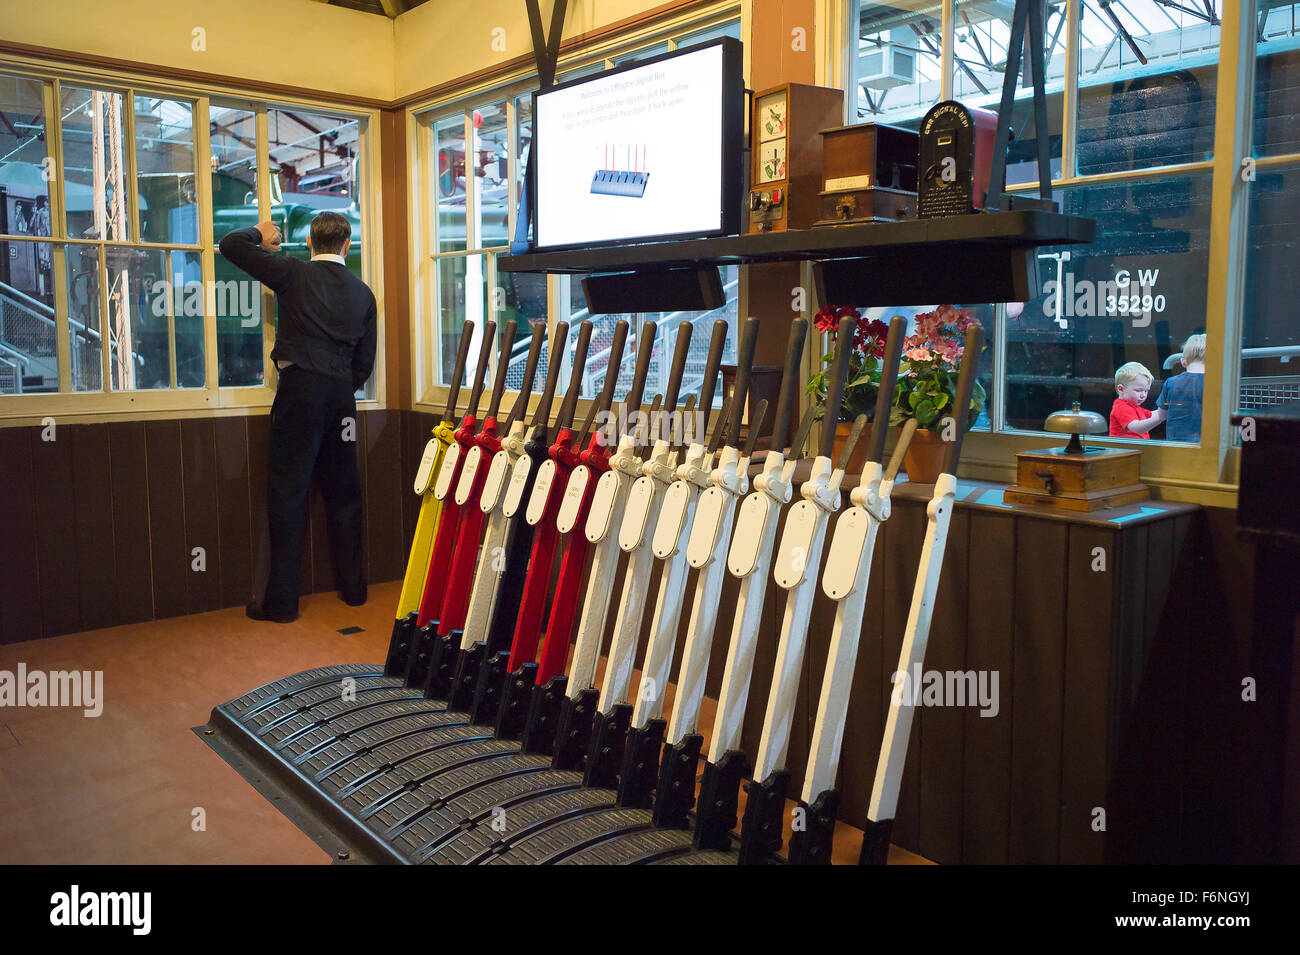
(979, 233)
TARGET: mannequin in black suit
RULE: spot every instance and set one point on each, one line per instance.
(324, 351)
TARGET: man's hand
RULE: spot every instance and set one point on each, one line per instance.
(270, 235)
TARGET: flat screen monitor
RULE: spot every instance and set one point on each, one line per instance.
(649, 151)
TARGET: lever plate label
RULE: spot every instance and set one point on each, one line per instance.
(748, 538)
(541, 492)
(425, 471)
(704, 532)
(571, 505)
(445, 473)
(465, 486)
(631, 533)
(672, 517)
(601, 514)
(495, 481)
(846, 553)
(791, 564)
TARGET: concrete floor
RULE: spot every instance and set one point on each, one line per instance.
(125, 787)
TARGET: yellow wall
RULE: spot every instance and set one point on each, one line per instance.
(443, 39)
(293, 42)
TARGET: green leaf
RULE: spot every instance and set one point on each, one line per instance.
(926, 413)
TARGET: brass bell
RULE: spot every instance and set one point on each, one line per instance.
(1074, 423)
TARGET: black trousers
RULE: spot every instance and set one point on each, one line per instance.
(313, 433)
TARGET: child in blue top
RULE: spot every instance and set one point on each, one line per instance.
(1180, 396)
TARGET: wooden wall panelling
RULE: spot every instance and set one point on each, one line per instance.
(941, 727)
(1039, 648)
(259, 430)
(1090, 654)
(905, 531)
(201, 478)
(56, 543)
(170, 555)
(383, 503)
(129, 497)
(234, 513)
(20, 594)
(96, 562)
(986, 766)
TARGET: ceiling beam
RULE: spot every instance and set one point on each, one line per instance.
(394, 8)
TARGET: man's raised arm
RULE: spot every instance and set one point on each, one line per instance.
(255, 250)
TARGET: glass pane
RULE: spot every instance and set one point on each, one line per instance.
(1276, 56)
(137, 318)
(1270, 341)
(449, 184)
(164, 164)
(1147, 75)
(189, 308)
(24, 183)
(982, 33)
(524, 135)
(896, 69)
(94, 166)
(456, 275)
(1133, 295)
(84, 326)
(731, 28)
(233, 134)
(28, 353)
(491, 175)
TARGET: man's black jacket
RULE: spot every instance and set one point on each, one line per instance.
(326, 314)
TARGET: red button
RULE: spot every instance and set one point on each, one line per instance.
(776, 197)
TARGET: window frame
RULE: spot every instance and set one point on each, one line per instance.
(107, 404)
(1205, 473)
(428, 394)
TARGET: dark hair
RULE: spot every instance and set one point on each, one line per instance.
(329, 231)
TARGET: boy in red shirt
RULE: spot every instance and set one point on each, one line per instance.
(1128, 419)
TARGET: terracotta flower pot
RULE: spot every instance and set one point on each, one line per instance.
(923, 461)
(859, 451)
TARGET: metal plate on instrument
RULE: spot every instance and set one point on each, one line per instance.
(845, 553)
(515, 489)
(571, 503)
(541, 492)
(704, 532)
(746, 542)
(425, 471)
(672, 517)
(445, 473)
(632, 532)
(601, 515)
(495, 481)
(796, 542)
(465, 486)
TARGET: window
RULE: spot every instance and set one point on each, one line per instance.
(119, 298)
(471, 162)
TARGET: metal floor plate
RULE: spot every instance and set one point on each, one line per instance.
(374, 772)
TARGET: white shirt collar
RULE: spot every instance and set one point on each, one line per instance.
(328, 257)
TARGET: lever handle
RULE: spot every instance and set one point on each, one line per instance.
(760, 414)
(606, 396)
(645, 347)
(744, 369)
(543, 412)
(480, 375)
(462, 356)
(684, 330)
(835, 388)
(716, 346)
(565, 418)
(530, 372)
(790, 380)
(888, 379)
(970, 363)
(503, 364)
(801, 436)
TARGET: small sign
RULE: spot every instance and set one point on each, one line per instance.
(465, 486)
(745, 543)
(796, 543)
(541, 492)
(495, 482)
(631, 533)
(601, 515)
(704, 532)
(571, 504)
(672, 518)
(448, 471)
(515, 489)
(846, 553)
(425, 472)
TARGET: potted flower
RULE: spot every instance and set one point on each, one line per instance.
(863, 375)
(927, 385)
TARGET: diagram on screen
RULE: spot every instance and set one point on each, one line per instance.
(623, 173)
